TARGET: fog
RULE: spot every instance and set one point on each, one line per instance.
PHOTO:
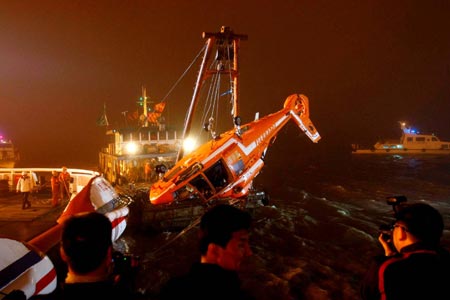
(363, 64)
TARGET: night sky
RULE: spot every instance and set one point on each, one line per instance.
(363, 64)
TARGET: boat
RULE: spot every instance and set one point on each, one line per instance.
(223, 168)
(410, 142)
(133, 150)
(9, 155)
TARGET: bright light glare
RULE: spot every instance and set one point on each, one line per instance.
(131, 148)
(189, 144)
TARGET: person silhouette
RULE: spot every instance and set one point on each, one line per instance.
(223, 245)
(414, 265)
(25, 185)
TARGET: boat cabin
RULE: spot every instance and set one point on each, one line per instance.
(133, 155)
(412, 140)
(9, 155)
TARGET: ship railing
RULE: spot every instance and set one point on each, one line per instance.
(147, 142)
(165, 137)
(79, 178)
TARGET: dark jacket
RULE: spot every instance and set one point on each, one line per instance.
(418, 272)
(94, 290)
(205, 281)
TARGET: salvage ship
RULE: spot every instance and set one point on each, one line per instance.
(133, 152)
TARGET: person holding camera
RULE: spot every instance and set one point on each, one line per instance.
(414, 264)
(86, 247)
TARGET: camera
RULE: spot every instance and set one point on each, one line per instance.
(125, 263)
(386, 229)
(395, 200)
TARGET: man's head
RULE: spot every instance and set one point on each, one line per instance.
(419, 220)
(86, 241)
(224, 236)
(64, 169)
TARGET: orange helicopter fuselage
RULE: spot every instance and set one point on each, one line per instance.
(226, 166)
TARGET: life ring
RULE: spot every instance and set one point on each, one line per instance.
(25, 268)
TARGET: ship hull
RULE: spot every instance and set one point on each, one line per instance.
(402, 151)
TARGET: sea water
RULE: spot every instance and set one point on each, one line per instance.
(319, 232)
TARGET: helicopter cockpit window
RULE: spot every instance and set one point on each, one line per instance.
(188, 172)
(217, 175)
(184, 193)
(202, 186)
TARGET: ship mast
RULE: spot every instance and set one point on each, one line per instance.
(144, 104)
(227, 44)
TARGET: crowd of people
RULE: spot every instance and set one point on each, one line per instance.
(414, 265)
(60, 185)
(86, 248)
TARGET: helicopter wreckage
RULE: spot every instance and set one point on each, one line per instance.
(223, 168)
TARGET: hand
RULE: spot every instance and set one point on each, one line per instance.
(387, 245)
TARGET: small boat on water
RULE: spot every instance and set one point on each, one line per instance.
(410, 142)
(9, 154)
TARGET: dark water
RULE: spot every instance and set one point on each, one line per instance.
(317, 236)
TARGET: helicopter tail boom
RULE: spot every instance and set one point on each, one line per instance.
(298, 106)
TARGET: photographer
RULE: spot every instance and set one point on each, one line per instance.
(414, 266)
(86, 247)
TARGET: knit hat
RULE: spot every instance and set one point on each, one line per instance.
(422, 220)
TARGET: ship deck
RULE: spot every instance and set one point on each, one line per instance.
(24, 224)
